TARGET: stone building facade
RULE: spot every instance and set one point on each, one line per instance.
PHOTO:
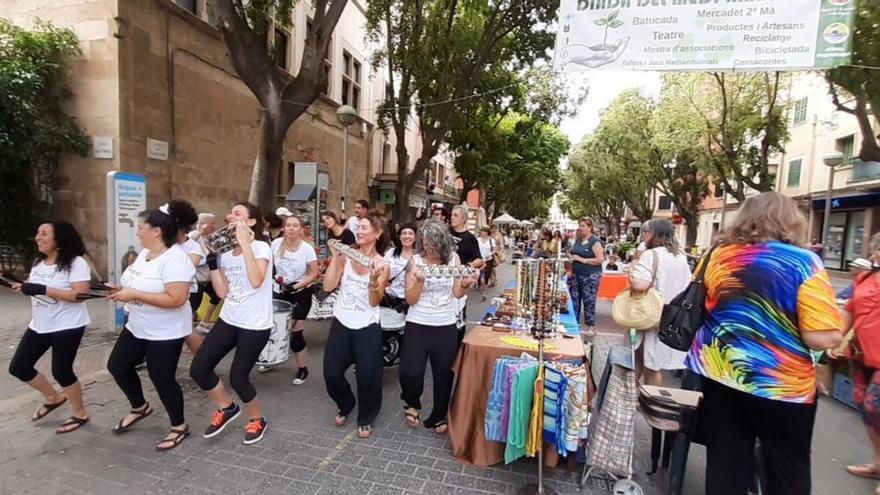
(157, 72)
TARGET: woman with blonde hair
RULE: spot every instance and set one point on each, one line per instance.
(768, 303)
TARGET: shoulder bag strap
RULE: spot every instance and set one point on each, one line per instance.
(654, 256)
(702, 273)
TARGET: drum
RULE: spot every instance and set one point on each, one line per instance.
(277, 350)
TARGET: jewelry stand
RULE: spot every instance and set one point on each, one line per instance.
(543, 326)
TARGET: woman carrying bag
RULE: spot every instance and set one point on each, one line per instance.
(862, 314)
(664, 267)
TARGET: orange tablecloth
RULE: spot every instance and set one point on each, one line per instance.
(612, 284)
(473, 367)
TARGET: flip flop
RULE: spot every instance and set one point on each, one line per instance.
(72, 421)
(869, 471)
(340, 419)
(179, 436)
(412, 419)
(441, 427)
(122, 428)
(48, 408)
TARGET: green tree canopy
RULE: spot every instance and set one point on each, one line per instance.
(861, 80)
(35, 132)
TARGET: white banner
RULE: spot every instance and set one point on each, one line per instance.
(679, 35)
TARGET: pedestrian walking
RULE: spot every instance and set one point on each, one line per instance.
(431, 332)
(768, 302)
(488, 249)
(671, 276)
(296, 269)
(355, 335)
(243, 278)
(155, 290)
(58, 320)
(587, 257)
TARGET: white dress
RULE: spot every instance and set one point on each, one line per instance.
(673, 276)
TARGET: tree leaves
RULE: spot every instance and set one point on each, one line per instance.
(34, 129)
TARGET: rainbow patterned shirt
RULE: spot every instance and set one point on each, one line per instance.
(759, 297)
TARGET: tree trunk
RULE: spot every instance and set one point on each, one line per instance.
(407, 181)
(869, 150)
(264, 187)
(692, 222)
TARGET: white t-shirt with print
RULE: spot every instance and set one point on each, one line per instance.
(293, 266)
(150, 322)
(192, 247)
(397, 274)
(245, 306)
(48, 318)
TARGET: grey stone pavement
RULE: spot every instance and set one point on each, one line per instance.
(302, 452)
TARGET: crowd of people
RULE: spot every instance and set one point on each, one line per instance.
(274, 258)
(768, 306)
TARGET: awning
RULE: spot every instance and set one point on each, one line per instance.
(854, 201)
(301, 192)
(505, 218)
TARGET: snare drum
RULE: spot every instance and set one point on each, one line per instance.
(277, 350)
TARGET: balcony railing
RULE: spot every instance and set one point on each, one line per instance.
(863, 171)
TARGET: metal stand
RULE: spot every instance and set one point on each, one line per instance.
(539, 488)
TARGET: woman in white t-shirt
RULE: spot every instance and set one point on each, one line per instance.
(431, 331)
(243, 278)
(296, 269)
(355, 335)
(154, 289)
(58, 320)
(671, 278)
(185, 215)
(392, 309)
(488, 248)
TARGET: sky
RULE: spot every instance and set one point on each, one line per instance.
(604, 87)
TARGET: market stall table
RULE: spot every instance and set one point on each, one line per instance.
(473, 367)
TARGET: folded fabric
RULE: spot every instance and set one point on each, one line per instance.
(495, 427)
(536, 421)
(555, 384)
(576, 408)
(521, 397)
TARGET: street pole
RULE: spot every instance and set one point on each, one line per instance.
(833, 159)
(723, 209)
(345, 115)
(344, 166)
(828, 196)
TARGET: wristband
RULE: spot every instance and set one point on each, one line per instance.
(29, 289)
(213, 262)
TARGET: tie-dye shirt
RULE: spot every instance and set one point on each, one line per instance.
(759, 297)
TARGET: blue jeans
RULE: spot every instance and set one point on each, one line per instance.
(583, 292)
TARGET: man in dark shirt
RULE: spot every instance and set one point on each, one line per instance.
(468, 250)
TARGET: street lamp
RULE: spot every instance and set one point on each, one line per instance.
(346, 115)
(832, 159)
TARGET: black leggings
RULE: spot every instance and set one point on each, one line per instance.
(33, 345)
(248, 345)
(363, 348)
(162, 357)
(440, 346)
(731, 422)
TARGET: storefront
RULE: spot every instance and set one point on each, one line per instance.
(852, 222)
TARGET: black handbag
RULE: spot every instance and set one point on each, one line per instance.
(683, 315)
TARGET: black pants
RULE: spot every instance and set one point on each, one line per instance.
(33, 345)
(440, 346)
(363, 348)
(162, 357)
(223, 338)
(733, 420)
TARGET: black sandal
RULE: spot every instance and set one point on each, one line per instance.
(441, 425)
(48, 408)
(178, 437)
(72, 421)
(122, 428)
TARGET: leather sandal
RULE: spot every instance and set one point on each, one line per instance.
(365, 431)
(73, 422)
(412, 418)
(45, 409)
(174, 438)
(339, 420)
(121, 427)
